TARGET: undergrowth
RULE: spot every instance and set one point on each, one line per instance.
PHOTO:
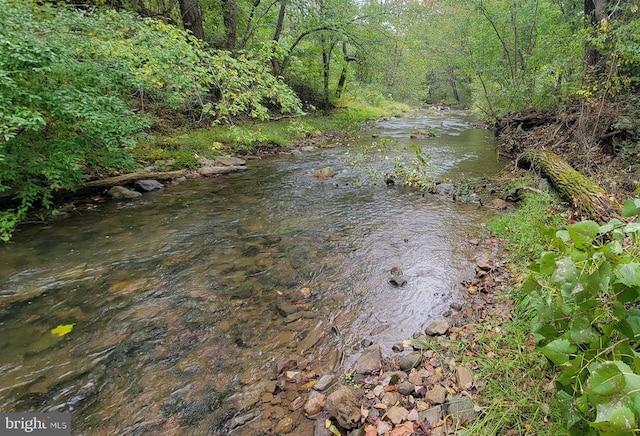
(575, 323)
(517, 396)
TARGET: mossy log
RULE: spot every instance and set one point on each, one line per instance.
(589, 199)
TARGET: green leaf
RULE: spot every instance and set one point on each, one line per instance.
(566, 271)
(568, 409)
(605, 379)
(559, 351)
(582, 233)
(547, 263)
(628, 274)
(582, 332)
(62, 330)
(631, 207)
(614, 419)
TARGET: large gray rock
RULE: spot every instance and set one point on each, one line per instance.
(148, 185)
(370, 362)
(344, 406)
(120, 192)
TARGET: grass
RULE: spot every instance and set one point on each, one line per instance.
(517, 397)
(182, 149)
(527, 230)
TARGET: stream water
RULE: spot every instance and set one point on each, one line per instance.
(186, 302)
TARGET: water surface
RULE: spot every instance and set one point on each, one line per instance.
(185, 301)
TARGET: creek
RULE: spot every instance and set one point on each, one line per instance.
(188, 301)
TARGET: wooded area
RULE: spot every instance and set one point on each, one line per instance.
(82, 80)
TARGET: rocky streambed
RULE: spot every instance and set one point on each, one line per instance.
(417, 387)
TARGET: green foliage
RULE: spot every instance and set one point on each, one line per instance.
(585, 294)
(618, 42)
(75, 86)
(527, 229)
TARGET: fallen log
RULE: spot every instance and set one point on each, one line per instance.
(589, 199)
(133, 177)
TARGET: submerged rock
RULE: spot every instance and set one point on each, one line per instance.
(324, 173)
(120, 192)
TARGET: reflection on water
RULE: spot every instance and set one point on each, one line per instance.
(185, 300)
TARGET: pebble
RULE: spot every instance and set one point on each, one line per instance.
(324, 382)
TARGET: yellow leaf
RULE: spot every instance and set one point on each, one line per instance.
(62, 330)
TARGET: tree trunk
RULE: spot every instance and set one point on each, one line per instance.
(191, 17)
(326, 63)
(276, 36)
(595, 10)
(230, 19)
(343, 74)
(587, 198)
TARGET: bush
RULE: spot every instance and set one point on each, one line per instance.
(587, 322)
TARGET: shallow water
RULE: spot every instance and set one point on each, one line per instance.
(185, 300)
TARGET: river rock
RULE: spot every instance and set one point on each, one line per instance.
(343, 405)
(324, 173)
(499, 204)
(286, 425)
(312, 338)
(398, 281)
(314, 404)
(406, 388)
(215, 170)
(397, 414)
(464, 377)
(241, 420)
(371, 360)
(230, 161)
(436, 395)
(461, 409)
(148, 185)
(285, 308)
(324, 382)
(120, 192)
(444, 189)
(484, 262)
(411, 360)
(398, 348)
(438, 328)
